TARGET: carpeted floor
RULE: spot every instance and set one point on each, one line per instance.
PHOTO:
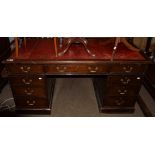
(75, 97)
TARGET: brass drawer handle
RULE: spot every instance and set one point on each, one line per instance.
(25, 69)
(27, 82)
(122, 92)
(93, 69)
(125, 80)
(61, 69)
(128, 69)
(31, 103)
(29, 91)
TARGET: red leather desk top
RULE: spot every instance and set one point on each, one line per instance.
(43, 49)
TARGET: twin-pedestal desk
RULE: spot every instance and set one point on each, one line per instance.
(116, 82)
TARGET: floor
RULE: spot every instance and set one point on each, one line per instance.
(75, 97)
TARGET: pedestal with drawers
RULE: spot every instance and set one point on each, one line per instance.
(31, 89)
(119, 90)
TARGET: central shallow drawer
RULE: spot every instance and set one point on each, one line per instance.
(77, 68)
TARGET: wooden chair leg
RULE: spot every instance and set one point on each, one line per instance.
(125, 42)
(128, 45)
(55, 46)
(16, 46)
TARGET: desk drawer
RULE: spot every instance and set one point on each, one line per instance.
(27, 80)
(124, 80)
(120, 101)
(128, 68)
(31, 102)
(29, 91)
(121, 90)
(24, 68)
(77, 68)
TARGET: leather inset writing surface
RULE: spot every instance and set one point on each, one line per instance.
(44, 49)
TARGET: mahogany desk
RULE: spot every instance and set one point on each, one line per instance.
(116, 83)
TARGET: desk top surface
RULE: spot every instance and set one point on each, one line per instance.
(43, 49)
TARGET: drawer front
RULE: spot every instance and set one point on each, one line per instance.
(29, 91)
(28, 80)
(117, 90)
(31, 102)
(24, 68)
(124, 80)
(128, 68)
(79, 68)
(120, 101)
